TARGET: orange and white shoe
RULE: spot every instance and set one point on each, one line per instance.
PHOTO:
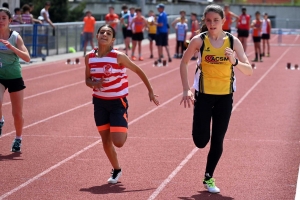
(141, 59)
(133, 58)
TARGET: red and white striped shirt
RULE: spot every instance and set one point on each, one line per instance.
(115, 83)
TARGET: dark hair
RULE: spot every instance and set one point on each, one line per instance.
(194, 14)
(132, 8)
(124, 7)
(106, 25)
(25, 8)
(30, 5)
(182, 11)
(16, 10)
(257, 13)
(138, 10)
(6, 11)
(5, 5)
(111, 7)
(47, 3)
(214, 8)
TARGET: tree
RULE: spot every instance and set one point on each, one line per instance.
(59, 10)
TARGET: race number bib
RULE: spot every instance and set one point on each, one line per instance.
(244, 21)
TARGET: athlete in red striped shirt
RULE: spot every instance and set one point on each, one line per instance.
(106, 74)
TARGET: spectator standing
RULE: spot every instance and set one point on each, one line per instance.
(151, 30)
(112, 18)
(162, 31)
(27, 17)
(243, 27)
(194, 25)
(181, 29)
(124, 23)
(45, 15)
(88, 30)
(266, 33)
(228, 16)
(128, 18)
(256, 35)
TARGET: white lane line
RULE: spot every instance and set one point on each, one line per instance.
(53, 74)
(79, 152)
(190, 155)
(80, 106)
(76, 83)
(297, 196)
(46, 92)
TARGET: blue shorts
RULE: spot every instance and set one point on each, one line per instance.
(88, 36)
(162, 39)
(111, 114)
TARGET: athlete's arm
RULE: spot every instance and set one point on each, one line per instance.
(235, 16)
(88, 79)
(243, 62)
(131, 23)
(20, 50)
(123, 60)
(194, 45)
(174, 23)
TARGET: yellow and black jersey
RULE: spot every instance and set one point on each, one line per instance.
(215, 74)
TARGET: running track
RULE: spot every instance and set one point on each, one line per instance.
(63, 158)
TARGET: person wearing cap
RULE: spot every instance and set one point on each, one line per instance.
(243, 27)
(162, 31)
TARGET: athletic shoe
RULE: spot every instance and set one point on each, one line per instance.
(267, 55)
(16, 146)
(175, 55)
(141, 58)
(151, 56)
(210, 185)
(255, 60)
(116, 174)
(133, 58)
(170, 59)
(1, 125)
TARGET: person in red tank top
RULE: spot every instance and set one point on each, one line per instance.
(256, 35)
(104, 67)
(228, 16)
(195, 25)
(138, 24)
(243, 27)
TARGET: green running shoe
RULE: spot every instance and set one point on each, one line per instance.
(211, 186)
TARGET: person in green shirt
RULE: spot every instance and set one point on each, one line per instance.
(11, 49)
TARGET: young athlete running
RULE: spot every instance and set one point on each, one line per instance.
(215, 82)
(228, 16)
(256, 35)
(243, 27)
(106, 74)
(11, 49)
(266, 32)
(138, 26)
(151, 30)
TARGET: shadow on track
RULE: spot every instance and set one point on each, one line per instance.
(205, 195)
(110, 189)
(11, 156)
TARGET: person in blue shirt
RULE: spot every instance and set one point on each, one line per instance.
(162, 31)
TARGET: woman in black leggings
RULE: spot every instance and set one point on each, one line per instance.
(220, 53)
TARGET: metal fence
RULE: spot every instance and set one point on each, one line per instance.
(42, 41)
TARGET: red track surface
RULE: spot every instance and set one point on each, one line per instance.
(63, 158)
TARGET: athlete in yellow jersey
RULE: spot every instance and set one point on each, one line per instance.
(220, 53)
(151, 30)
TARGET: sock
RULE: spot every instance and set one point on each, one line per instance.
(2, 119)
(207, 176)
(140, 55)
(19, 137)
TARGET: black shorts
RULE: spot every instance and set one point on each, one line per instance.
(151, 36)
(13, 85)
(243, 33)
(265, 36)
(256, 39)
(111, 114)
(138, 36)
(229, 30)
(128, 33)
(124, 30)
(162, 39)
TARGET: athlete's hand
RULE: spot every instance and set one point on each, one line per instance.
(152, 97)
(6, 43)
(187, 98)
(98, 84)
(230, 55)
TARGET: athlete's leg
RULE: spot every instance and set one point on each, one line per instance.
(140, 48)
(17, 110)
(2, 90)
(263, 46)
(220, 119)
(127, 44)
(109, 148)
(268, 46)
(151, 47)
(133, 47)
(202, 118)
